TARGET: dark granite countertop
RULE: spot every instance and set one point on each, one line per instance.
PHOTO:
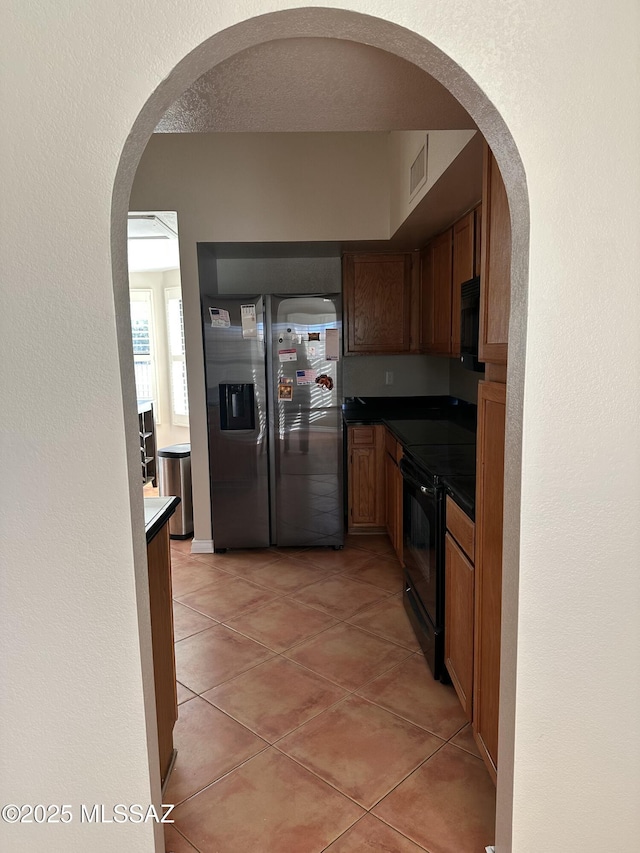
(420, 431)
(377, 410)
(157, 511)
(439, 432)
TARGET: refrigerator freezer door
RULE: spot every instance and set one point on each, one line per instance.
(307, 451)
(235, 376)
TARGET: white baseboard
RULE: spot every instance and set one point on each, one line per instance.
(491, 849)
(202, 546)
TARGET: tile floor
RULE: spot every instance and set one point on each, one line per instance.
(308, 719)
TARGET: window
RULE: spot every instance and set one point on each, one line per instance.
(144, 361)
(177, 363)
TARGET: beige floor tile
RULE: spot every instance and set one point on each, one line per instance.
(239, 562)
(209, 744)
(176, 843)
(347, 656)
(269, 805)
(370, 835)
(447, 805)
(376, 543)
(187, 621)
(360, 749)
(411, 691)
(181, 546)
(281, 624)
(339, 596)
(188, 575)
(227, 598)
(184, 694)
(275, 697)
(388, 619)
(382, 571)
(287, 574)
(336, 561)
(465, 740)
(213, 656)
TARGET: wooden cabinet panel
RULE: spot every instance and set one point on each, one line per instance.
(366, 478)
(461, 528)
(458, 637)
(436, 294)
(164, 665)
(489, 506)
(495, 265)
(462, 270)
(377, 303)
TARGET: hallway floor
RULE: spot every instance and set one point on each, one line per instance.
(308, 718)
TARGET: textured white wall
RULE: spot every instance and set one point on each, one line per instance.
(566, 83)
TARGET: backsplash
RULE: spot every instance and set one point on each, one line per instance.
(413, 375)
(463, 383)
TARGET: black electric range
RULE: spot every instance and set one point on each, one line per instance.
(425, 470)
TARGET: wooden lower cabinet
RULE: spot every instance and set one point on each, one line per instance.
(164, 665)
(366, 479)
(488, 569)
(458, 637)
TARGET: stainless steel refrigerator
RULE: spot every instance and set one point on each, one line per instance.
(274, 394)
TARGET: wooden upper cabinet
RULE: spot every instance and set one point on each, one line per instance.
(495, 265)
(436, 294)
(377, 303)
(488, 569)
(463, 269)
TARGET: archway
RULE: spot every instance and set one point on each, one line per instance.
(339, 24)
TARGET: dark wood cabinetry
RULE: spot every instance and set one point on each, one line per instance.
(366, 481)
(495, 265)
(458, 636)
(377, 293)
(436, 294)
(463, 268)
(488, 566)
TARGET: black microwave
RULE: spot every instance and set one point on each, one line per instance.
(470, 324)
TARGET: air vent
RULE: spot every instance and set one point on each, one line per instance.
(418, 171)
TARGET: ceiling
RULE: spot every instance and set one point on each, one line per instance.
(320, 85)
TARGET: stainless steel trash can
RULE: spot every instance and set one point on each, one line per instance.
(174, 476)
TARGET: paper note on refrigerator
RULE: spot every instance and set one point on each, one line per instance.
(306, 377)
(219, 318)
(248, 319)
(287, 355)
(332, 345)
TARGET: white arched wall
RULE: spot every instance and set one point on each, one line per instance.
(566, 85)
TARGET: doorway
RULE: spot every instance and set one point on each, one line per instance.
(426, 57)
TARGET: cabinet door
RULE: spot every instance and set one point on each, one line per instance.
(495, 263)
(488, 565)
(436, 294)
(462, 270)
(458, 622)
(377, 303)
(367, 504)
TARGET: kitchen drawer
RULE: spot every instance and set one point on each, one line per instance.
(362, 436)
(392, 446)
(461, 528)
